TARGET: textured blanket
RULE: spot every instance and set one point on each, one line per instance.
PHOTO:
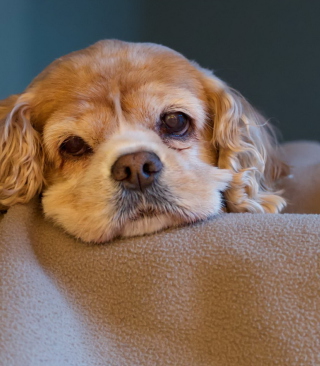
(239, 289)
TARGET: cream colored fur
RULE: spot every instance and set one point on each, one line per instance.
(21, 158)
(112, 95)
(247, 146)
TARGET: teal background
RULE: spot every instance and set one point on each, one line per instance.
(268, 50)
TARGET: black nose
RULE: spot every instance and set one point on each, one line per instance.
(137, 170)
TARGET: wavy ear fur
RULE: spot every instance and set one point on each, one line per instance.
(21, 157)
(247, 146)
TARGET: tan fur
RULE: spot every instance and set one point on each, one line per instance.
(112, 95)
(247, 146)
(21, 158)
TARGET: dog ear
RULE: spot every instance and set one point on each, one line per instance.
(21, 156)
(246, 146)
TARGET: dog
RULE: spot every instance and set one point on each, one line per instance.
(124, 139)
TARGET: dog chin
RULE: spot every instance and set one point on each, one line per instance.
(143, 225)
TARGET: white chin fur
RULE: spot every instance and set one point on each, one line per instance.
(148, 225)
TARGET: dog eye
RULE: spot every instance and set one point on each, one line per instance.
(175, 123)
(75, 146)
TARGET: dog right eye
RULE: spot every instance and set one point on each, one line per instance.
(175, 124)
(75, 146)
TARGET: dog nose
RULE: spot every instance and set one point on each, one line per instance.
(138, 170)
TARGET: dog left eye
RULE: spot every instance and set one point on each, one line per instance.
(75, 146)
(175, 123)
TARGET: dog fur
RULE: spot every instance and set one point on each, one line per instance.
(113, 95)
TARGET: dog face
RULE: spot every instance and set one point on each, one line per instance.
(126, 139)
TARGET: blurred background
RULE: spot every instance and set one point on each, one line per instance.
(268, 50)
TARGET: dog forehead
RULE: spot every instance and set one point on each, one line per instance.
(109, 70)
(131, 67)
(106, 65)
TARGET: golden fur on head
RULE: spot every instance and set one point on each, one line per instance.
(117, 99)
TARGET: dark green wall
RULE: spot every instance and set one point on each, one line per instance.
(268, 50)
(35, 32)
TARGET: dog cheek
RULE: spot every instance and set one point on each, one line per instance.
(58, 205)
(197, 190)
(82, 210)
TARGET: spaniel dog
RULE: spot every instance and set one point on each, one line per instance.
(125, 139)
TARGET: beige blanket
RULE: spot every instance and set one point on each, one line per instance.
(240, 289)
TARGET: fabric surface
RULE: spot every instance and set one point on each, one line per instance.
(302, 188)
(239, 289)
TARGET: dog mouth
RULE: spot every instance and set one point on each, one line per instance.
(135, 205)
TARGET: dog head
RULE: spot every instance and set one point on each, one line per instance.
(126, 139)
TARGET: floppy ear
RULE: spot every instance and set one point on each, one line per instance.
(246, 145)
(21, 157)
